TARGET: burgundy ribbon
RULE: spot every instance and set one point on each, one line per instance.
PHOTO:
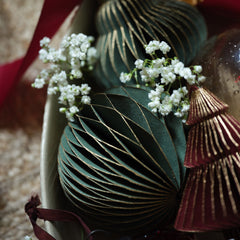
(53, 13)
(34, 213)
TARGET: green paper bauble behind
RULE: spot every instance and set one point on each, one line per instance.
(123, 167)
(126, 26)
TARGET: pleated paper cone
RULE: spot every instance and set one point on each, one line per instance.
(211, 196)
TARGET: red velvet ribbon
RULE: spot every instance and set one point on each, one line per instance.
(34, 213)
(53, 13)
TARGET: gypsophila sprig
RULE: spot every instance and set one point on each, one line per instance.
(74, 58)
(168, 77)
(27, 238)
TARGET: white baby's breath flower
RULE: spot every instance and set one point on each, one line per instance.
(178, 67)
(39, 83)
(152, 72)
(65, 42)
(165, 109)
(171, 77)
(45, 74)
(158, 63)
(191, 79)
(27, 238)
(52, 90)
(85, 89)
(76, 73)
(166, 70)
(43, 55)
(62, 110)
(185, 72)
(77, 39)
(59, 78)
(125, 77)
(144, 75)
(201, 79)
(185, 108)
(69, 116)
(164, 47)
(75, 63)
(197, 68)
(174, 62)
(73, 109)
(154, 105)
(179, 114)
(168, 76)
(183, 90)
(55, 68)
(92, 55)
(85, 46)
(45, 42)
(159, 88)
(176, 97)
(74, 57)
(139, 63)
(154, 96)
(76, 53)
(82, 37)
(152, 47)
(86, 100)
(156, 45)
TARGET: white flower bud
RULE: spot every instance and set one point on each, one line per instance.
(139, 63)
(45, 42)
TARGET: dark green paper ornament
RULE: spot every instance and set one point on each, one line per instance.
(126, 26)
(120, 165)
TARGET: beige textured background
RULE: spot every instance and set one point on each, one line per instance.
(20, 131)
(20, 121)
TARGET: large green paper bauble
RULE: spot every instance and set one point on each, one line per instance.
(220, 59)
(126, 26)
(122, 166)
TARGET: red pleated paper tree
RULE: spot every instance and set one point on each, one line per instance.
(211, 198)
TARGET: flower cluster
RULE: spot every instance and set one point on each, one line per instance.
(27, 238)
(163, 74)
(74, 57)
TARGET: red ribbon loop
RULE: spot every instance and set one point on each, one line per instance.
(34, 213)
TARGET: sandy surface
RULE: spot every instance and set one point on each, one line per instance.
(20, 123)
(20, 120)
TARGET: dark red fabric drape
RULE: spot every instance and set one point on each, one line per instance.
(220, 15)
(52, 16)
(223, 6)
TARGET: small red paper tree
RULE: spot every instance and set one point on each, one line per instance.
(211, 198)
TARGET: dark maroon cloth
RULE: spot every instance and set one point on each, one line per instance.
(53, 13)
